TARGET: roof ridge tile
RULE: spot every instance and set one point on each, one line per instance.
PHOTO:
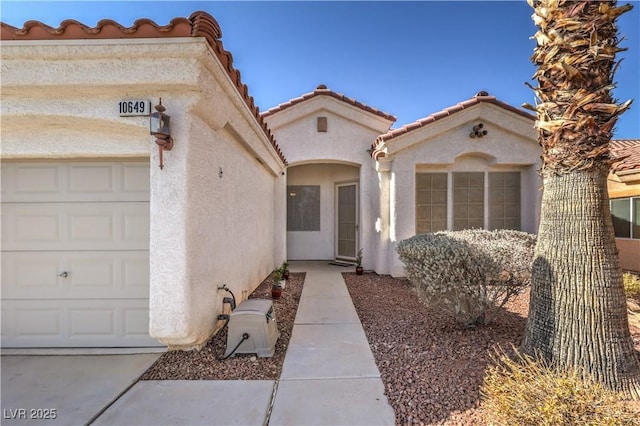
(323, 91)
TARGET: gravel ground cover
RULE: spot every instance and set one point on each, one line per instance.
(203, 365)
(432, 367)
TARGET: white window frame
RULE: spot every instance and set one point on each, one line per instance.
(631, 199)
(450, 191)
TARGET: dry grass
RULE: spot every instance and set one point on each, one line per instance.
(525, 391)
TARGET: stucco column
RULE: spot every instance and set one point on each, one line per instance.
(280, 225)
(169, 293)
(383, 167)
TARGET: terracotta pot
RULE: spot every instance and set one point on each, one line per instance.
(276, 292)
(359, 270)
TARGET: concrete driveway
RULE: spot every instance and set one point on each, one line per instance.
(65, 389)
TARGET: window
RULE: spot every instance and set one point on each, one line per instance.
(431, 202)
(468, 200)
(303, 208)
(504, 200)
(474, 204)
(625, 213)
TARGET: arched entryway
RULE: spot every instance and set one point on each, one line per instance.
(323, 211)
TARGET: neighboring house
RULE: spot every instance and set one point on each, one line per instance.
(435, 174)
(100, 247)
(624, 192)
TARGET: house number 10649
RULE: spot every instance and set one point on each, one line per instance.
(133, 107)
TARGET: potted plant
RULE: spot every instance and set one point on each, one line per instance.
(285, 265)
(278, 282)
(359, 269)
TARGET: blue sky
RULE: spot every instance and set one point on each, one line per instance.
(409, 59)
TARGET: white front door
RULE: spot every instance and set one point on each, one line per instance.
(346, 221)
(75, 254)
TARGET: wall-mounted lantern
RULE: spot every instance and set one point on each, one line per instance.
(159, 126)
(477, 131)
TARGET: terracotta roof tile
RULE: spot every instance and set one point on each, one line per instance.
(105, 29)
(626, 152)
(199, 24)
(323, 91)
(376, 151)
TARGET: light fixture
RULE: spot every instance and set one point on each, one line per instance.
(159, 126)
(477, 131)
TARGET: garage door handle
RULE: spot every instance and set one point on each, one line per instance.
(64, 274)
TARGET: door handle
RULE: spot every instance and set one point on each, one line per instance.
(64, 274)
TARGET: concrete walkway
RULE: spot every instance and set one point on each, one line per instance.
(329, 377)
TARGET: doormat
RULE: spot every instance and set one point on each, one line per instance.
(340, 264)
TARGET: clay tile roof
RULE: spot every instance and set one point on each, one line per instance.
(626, 152)
(199, 24)
(482, 96)
(322, 90)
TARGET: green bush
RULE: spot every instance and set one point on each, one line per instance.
(631, 285)
(527, 392)
(468, 273)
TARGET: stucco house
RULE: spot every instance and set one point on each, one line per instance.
(624, 191)
(353, 183)
(101, 247)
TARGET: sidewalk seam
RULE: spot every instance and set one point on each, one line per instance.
(267, 416)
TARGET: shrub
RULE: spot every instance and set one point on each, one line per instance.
(527, 391)
(631, 285)
(468, 273)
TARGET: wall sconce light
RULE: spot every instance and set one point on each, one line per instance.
(478, 132)
(159, 126)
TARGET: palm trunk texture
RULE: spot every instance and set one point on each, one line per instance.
(578, 310)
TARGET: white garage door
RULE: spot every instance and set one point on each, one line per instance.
(75, 254)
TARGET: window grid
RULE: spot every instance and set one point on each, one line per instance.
(303, 208)
(504, 200)
(431, 202)
(499, 200)
(468, 200)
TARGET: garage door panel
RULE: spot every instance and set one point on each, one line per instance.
(136, 179)
(75, 226)
(32, 227)
(76, 181)
(136, 227)
(32, 179)
(76, 323)
(89, 275)
(75, 254)
(91, 179)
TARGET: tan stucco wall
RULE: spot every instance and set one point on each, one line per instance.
(629, 253)
(59, 100)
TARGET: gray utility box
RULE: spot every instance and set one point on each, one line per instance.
(257, 318)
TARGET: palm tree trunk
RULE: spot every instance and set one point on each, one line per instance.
(577, 315)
